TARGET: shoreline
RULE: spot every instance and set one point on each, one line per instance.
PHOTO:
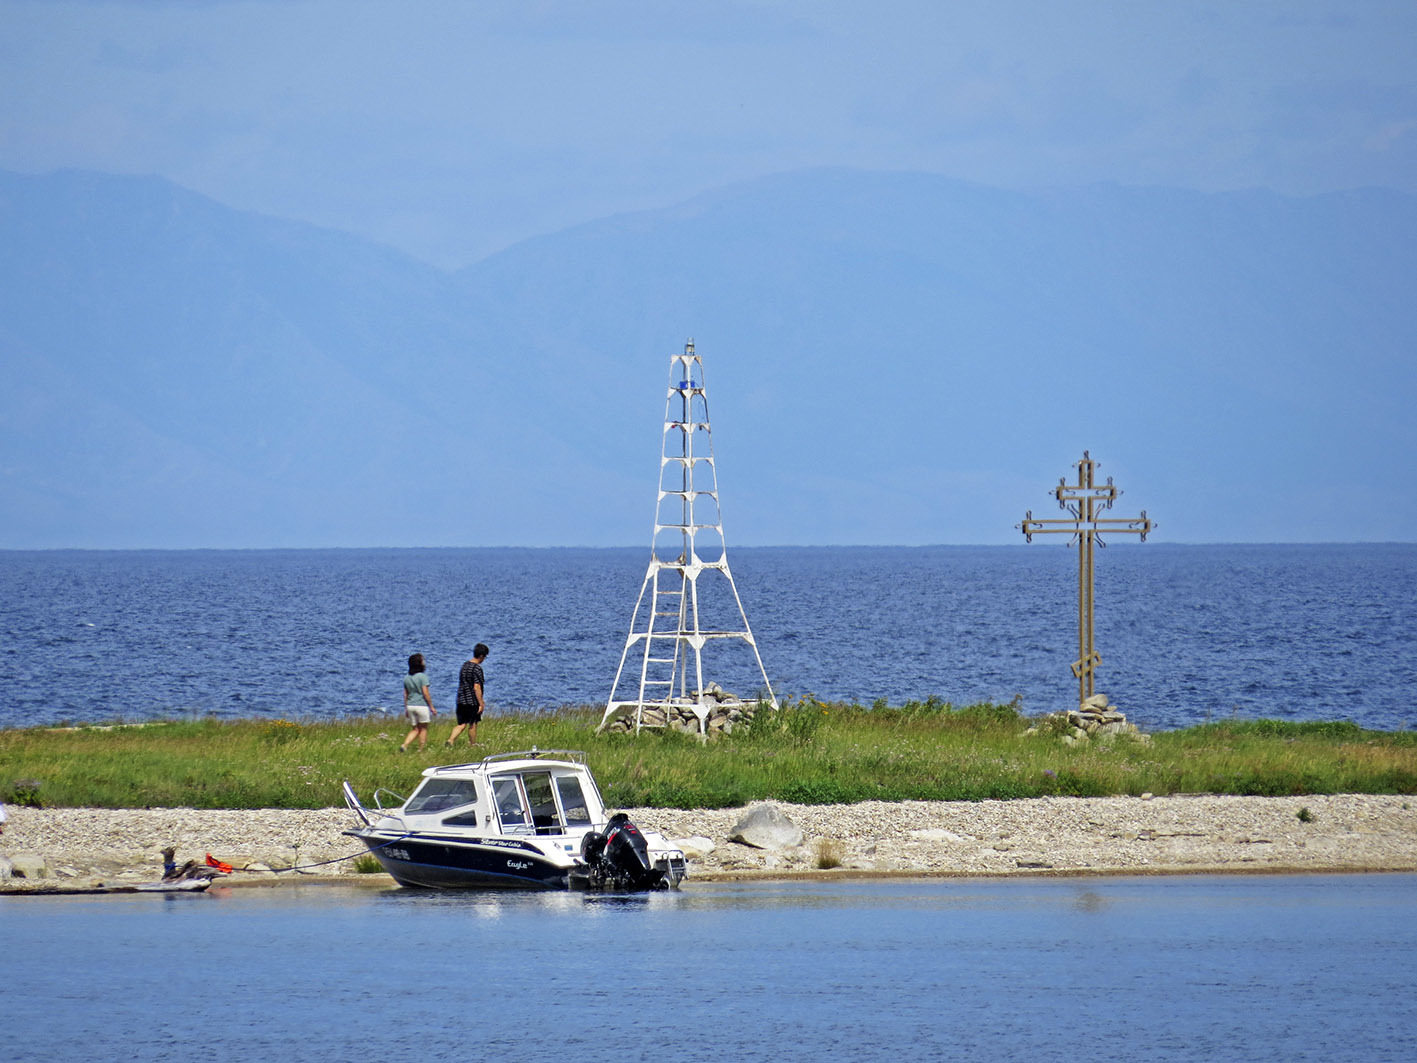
(1043, 837)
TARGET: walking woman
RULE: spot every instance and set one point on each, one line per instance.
(417, 702)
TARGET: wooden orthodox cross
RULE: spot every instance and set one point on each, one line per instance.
(1085, 501)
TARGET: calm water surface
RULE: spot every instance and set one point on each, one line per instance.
(1186, 633)
(1187, 968)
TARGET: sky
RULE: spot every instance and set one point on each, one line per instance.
(452, 129)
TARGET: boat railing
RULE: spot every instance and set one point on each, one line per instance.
(575, 756)
(379, 795)
(352, 800)
(368, 815)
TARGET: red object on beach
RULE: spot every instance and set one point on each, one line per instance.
(225, 869)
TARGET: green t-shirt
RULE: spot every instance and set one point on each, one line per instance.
(413, 686)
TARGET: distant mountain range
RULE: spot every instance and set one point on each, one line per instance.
(891, 358)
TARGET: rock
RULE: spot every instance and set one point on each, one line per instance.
(713, 713)
(695, 847)
(936, 834)
(765, 827)
(28, 865)
(5, 869)
(1098, 719)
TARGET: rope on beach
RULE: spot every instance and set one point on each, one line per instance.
(323, 863)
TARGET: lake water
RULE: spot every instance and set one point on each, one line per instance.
(1186, 633)
(1208, 968)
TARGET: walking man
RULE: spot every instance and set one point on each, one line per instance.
(470, 697)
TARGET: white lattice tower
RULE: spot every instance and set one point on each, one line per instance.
(663, 658)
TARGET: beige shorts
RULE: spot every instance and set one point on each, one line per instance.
(418, 713)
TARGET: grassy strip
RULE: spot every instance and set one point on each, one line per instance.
(810, 753)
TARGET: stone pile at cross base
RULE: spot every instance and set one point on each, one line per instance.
(1095, 719)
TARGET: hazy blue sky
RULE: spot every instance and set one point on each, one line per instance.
(451, 129)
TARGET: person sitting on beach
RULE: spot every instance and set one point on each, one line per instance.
(417, 702)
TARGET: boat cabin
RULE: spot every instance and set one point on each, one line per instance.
(522, 796)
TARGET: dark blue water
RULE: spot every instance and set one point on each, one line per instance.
(1182, 969)
(1186, 633)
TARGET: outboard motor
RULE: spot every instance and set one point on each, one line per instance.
(619, 858)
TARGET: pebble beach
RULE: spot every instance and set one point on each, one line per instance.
(1179, 834)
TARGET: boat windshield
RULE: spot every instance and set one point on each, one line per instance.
(510, 809)
(573, 802)
(542, 802)
(438, 795)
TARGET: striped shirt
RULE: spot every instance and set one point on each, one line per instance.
(468, 680)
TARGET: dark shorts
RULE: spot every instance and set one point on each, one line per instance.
(469, 714)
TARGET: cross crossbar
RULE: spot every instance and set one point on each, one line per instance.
(1086, 501)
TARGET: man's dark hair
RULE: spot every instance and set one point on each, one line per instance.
(480, 650)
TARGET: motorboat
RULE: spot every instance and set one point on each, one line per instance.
(527, 820)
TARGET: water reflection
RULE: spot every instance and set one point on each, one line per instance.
(1189, 969)
(1089, 901)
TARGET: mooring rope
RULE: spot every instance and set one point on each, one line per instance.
(323, 863)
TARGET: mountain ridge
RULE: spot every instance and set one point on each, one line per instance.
(899, 358)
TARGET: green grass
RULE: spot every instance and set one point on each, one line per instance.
(367, 864)
(810, 752)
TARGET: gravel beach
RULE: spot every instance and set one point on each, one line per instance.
(1110, 835)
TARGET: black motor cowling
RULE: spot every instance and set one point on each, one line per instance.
(619, 858)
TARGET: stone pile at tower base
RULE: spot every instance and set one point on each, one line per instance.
(722, 713)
